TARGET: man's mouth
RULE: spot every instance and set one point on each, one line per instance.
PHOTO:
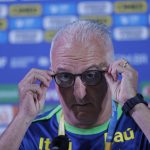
(82, 105)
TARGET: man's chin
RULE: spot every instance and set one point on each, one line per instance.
(84, 119)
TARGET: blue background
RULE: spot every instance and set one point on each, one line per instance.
(16, 59)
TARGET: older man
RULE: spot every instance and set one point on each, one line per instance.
(86, 77)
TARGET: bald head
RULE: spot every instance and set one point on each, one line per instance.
(84, 33)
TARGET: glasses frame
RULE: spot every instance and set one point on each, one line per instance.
(76, 75)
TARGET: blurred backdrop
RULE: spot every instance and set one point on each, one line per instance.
(27, 27)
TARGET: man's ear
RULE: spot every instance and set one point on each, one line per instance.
(51, 71)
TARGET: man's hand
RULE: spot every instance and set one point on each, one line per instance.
(123, 89)
(32, 92)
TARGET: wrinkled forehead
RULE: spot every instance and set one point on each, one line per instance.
(79, 54)
(82, 37)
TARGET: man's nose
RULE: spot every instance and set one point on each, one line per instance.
(79, 88)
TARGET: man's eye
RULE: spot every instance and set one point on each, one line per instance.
(90, 75)
(65, 77)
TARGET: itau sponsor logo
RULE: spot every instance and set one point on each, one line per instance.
(25, 10)
(53, 22)
(130, 19)
(25, 36)
(59, 9)
(131, 33)
(22, 62)
(130, 7)
(95, 8)
(25, 23)
(106, 19)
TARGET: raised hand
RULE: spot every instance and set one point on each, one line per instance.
(32, 92)
(125, 88)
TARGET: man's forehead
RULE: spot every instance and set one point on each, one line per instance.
(100, 66)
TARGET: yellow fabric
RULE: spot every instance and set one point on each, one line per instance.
(108, 146)
(61, 130)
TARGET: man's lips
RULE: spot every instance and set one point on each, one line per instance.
(81, 105)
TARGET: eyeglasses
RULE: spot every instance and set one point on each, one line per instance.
(90, 77)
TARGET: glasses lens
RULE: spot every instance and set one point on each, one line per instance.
(92, 77)
(64, 79)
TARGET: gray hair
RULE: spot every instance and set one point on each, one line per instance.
(82, 30)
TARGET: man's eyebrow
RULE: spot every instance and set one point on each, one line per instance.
(101, 66)
(93, 66)
(61, 70)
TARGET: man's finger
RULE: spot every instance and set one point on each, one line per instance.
(44, 73)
